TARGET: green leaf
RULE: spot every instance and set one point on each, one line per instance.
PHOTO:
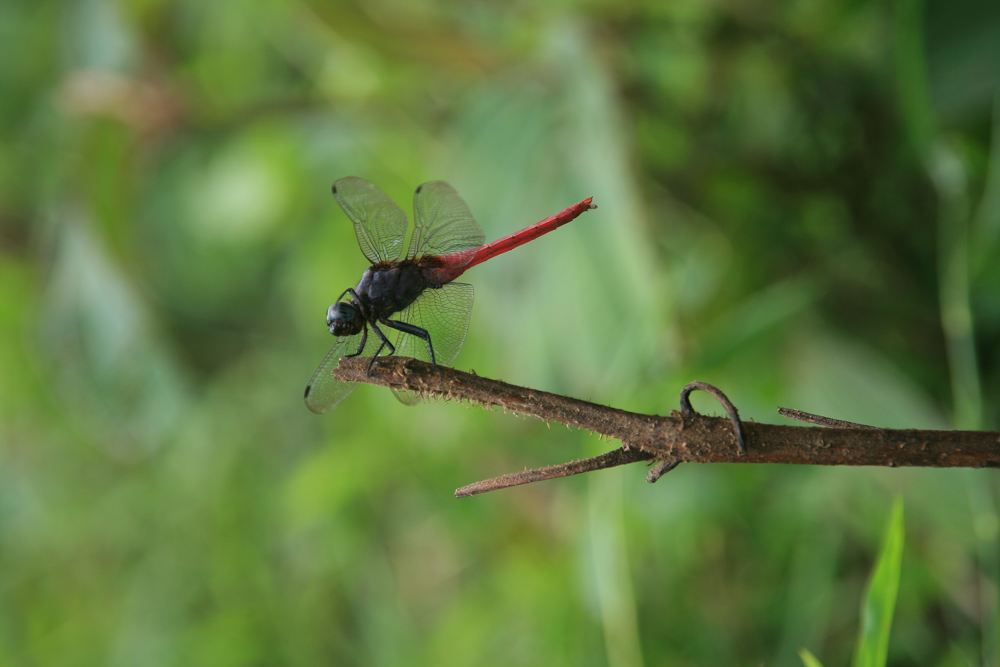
(808, 659)
(880, 599)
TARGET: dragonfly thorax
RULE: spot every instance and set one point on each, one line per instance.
(387, 288)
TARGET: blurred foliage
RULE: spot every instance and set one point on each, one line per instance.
(799, 201)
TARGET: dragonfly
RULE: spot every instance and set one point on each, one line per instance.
(409, 292)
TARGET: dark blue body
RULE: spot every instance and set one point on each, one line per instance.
(385, 289)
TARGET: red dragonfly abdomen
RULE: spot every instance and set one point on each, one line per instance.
(453, 265)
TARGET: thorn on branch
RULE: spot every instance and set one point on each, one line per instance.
(659, 469)
(687, 411)
(811, 418)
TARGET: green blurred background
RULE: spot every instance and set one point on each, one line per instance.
(799, 201)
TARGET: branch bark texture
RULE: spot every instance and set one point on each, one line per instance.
(696, 438)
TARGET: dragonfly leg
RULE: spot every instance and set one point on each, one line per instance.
(349, 290)
(361, 347)
(385, 343)
(413, 330)
(356, 300)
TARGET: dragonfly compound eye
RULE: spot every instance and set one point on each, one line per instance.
(343, 319)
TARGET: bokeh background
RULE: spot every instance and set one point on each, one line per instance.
(799, 202)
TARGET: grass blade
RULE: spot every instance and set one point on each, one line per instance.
(880, 598)
(808, 659)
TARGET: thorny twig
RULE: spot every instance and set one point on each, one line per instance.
(683, 436)
(615, 457)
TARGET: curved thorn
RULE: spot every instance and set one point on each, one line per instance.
(687, 411)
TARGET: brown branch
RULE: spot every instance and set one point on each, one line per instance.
(676, 438)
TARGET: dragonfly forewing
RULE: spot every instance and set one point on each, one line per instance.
(379, 224)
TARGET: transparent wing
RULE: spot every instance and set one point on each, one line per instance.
(324, 391)
(444, 313)
(442, 222)
(379, 224)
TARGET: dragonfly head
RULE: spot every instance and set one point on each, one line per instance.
(344, 319)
